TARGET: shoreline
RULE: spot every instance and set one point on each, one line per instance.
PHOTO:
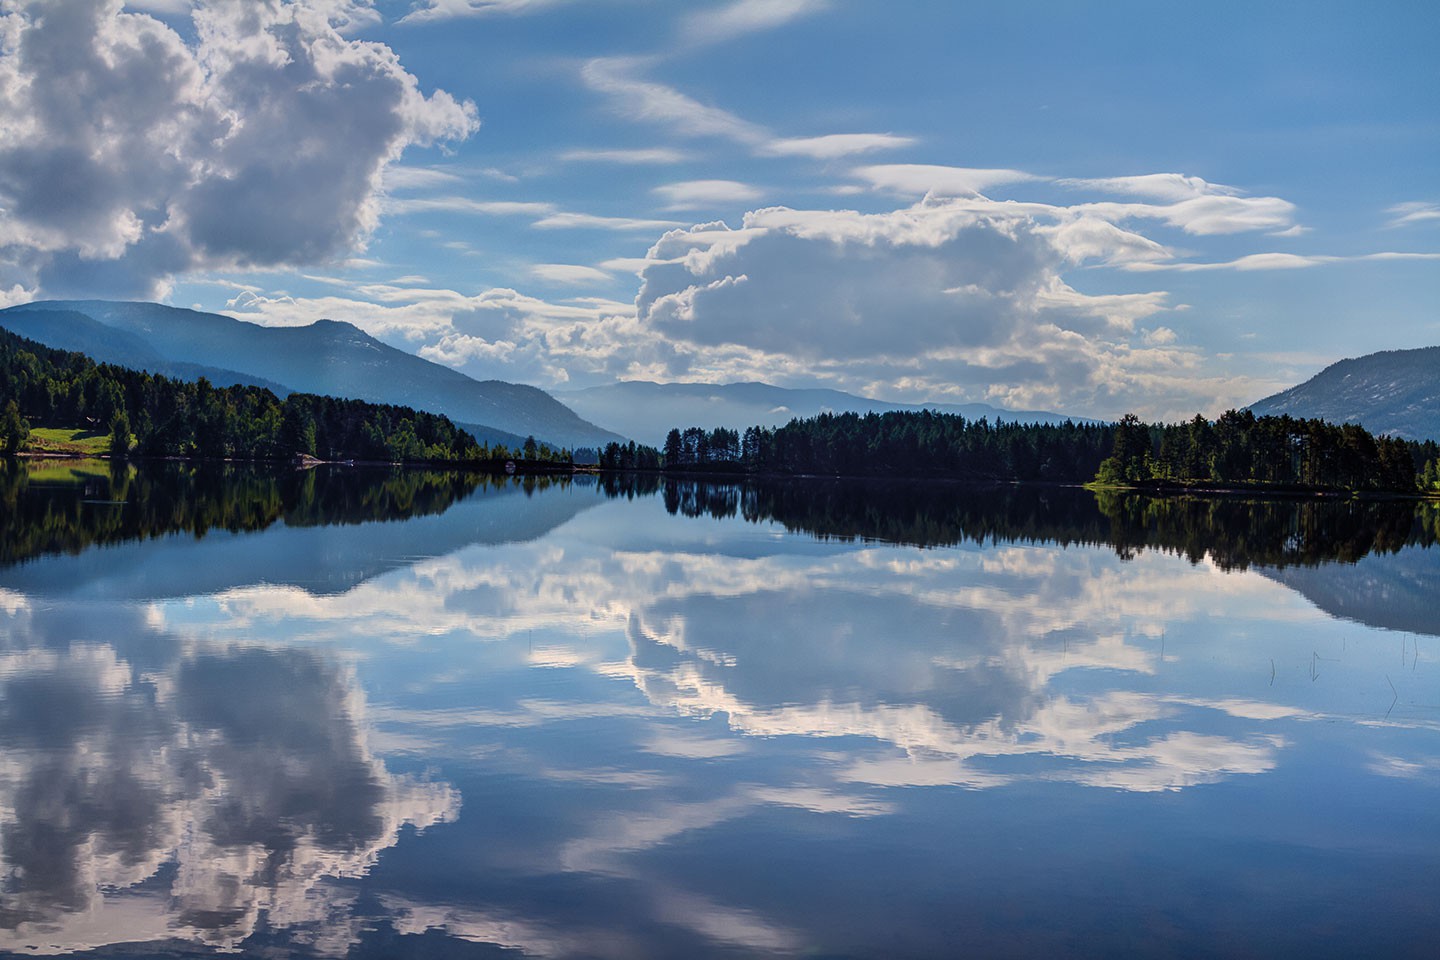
(520, 467)
(1167, 489)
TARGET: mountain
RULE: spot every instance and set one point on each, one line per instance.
(78, 333)
(647, 411)
(327, 357)
(1395, 392)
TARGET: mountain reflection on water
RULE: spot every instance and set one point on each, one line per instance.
(637, 718)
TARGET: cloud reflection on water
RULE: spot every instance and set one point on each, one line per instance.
(635, 697)
(947, 660)
(184, 792)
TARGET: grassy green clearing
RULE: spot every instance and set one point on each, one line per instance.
(67, 440)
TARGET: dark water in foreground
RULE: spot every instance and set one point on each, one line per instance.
(423, 715)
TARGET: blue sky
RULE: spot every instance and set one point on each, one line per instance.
(1094, 208)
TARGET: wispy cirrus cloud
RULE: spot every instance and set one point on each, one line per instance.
(458, 204)
(919, 179)
(1206, 215)
(1192, 204)
(741, 17)
(406, 178)
(1415, 211)
(566, 220)
(638, 156)
(543, 215)
(648, 101)
(652, 102)
(1276, 261)
(1154, 186)
(569, 273)
(714, 24)
(420, 178)
(426, 11)
(835, 145)
(1188, 203)
(693, 194)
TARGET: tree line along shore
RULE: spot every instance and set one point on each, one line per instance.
(133, 413)
(1236, 450)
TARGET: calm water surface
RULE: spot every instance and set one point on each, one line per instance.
(421, 715)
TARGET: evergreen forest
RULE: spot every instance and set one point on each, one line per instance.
(1237, 449)
(156, 416)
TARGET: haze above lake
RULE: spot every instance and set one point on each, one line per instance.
(346, 713)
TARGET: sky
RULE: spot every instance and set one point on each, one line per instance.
(1093, 208)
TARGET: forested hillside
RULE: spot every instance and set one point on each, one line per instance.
(161, 417)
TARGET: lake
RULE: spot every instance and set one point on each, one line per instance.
(407, 714)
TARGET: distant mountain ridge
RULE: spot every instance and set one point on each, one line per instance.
(647, 411)
(327, 357)
(1394, 392)
(78, 333)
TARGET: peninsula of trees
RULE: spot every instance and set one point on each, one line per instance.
(157, 416)
(1236, 450)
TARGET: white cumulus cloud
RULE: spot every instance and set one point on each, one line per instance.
(128, 153)
(962, 297)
